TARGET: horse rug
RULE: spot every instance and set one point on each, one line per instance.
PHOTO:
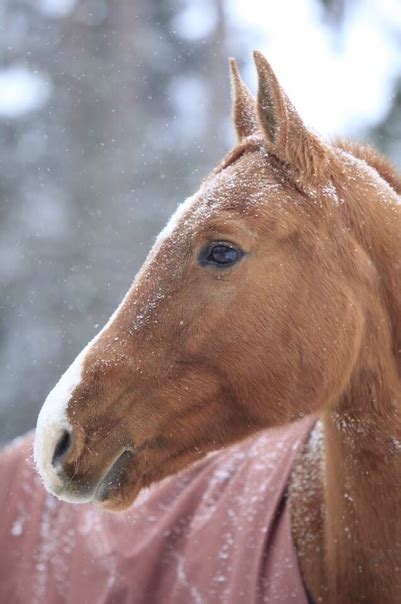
(217, 532)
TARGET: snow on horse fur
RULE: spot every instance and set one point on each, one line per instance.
(273, 294)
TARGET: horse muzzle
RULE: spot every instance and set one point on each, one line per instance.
(73, 473)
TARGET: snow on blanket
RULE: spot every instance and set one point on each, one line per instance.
(217, 532)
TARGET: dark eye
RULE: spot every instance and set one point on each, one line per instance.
(221, 254)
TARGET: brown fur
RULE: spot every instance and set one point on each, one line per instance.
(348, 529)
(308, 322)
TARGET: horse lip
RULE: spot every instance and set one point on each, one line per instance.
(113, 475)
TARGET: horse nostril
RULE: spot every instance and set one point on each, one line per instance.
(62, 447)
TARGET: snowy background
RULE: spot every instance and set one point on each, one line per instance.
(111, 112)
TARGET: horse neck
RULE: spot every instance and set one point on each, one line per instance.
(346, 488)
(362, 488)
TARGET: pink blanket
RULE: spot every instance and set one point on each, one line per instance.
(217, 532)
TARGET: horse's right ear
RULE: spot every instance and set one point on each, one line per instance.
(244, 106)
(285, 133)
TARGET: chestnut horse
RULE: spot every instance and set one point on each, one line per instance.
(273, 293)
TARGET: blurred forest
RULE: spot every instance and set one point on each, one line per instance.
(110, 114)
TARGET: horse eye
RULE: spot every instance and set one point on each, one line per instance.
(221, 254)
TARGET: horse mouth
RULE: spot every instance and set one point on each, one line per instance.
(111, 486)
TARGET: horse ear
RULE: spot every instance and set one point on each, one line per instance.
(285, 133)
(244, 107)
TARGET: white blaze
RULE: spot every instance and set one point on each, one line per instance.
(52, 421)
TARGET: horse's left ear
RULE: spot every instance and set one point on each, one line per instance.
(285, 133)
(244, 107)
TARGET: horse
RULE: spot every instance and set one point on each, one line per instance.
(272, 295)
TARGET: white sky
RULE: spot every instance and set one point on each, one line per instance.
(338, 84)
(337, 88)
(21, 91)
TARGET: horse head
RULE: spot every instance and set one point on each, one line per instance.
(248, 313)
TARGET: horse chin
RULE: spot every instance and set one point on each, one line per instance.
(134, 471)
(117, 490)
(119, 500)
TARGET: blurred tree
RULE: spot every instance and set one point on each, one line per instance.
(386, 136)
(335, 10)
(88, 179)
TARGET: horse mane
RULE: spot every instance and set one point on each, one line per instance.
(377, 227)
(374, 159)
